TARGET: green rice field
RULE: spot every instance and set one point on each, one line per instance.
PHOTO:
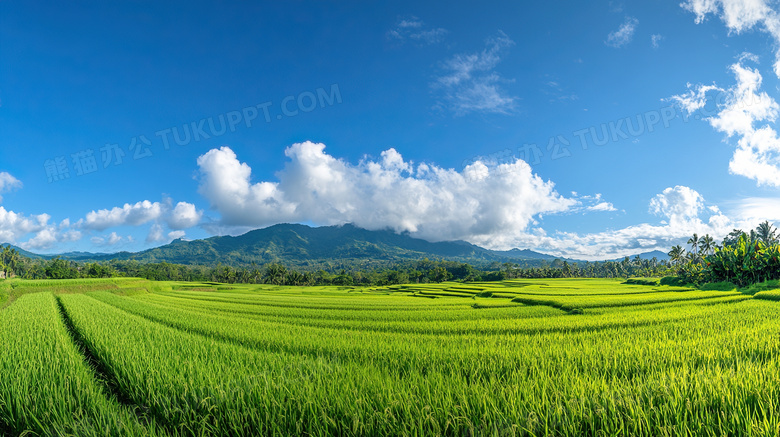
(126, 357)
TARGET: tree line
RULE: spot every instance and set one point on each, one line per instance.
(402, 272)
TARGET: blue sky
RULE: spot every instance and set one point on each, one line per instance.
(584, 129)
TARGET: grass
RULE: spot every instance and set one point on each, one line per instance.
(47, 387)
(537, 357)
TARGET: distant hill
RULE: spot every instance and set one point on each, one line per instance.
(24, 252)
(296, 244)
(307, 247)
(301, 245)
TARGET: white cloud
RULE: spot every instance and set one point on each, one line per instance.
(8, 183)
(133, 215)
(678, 204)
(43, 239)
(757, 209)
(623, 34)
(155, 234)
(111, 239)
(70, 235)
(471, 84)
(428, 201)
(655, 40)
(745, 112)
(740, 16)
(184, 216)
(684, 212)
(593, 203)
(694, 99)
(14, 226)
(602, 206)
(413, 29)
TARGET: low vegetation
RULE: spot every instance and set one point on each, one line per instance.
(343, 272)
(127, 356)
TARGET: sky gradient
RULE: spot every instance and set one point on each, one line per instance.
(591, 130)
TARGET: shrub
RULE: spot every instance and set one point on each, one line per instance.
(637, 281)
(718, 286)
(673, 281)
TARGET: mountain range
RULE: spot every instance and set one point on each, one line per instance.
(301, 245)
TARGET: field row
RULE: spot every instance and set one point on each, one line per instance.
(153, 359)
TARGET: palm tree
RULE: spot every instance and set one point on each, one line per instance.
(694, 242)
(706, 244)
(766, 233)
(677, 254)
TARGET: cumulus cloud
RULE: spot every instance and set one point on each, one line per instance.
(43, 239)
(14, 226)
(183, 215)
(413, 29)
(678, 204)
(744, 112)
(133, 215)
(427, 201)
(8, 183)
(42, 235)
(623, 34)
(471, 84)
(740, 16)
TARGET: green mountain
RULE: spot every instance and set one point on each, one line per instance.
(24, 252)
(301, 245)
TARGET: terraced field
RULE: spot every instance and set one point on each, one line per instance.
(535, 357)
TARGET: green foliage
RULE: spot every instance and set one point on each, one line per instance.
(59, 268)
(691, 273)
(744, 259)
(761, 286)
(205, 358)
(718, 286)
(744, 263)
(673, 281)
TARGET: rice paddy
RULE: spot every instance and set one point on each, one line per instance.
(518, 357)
